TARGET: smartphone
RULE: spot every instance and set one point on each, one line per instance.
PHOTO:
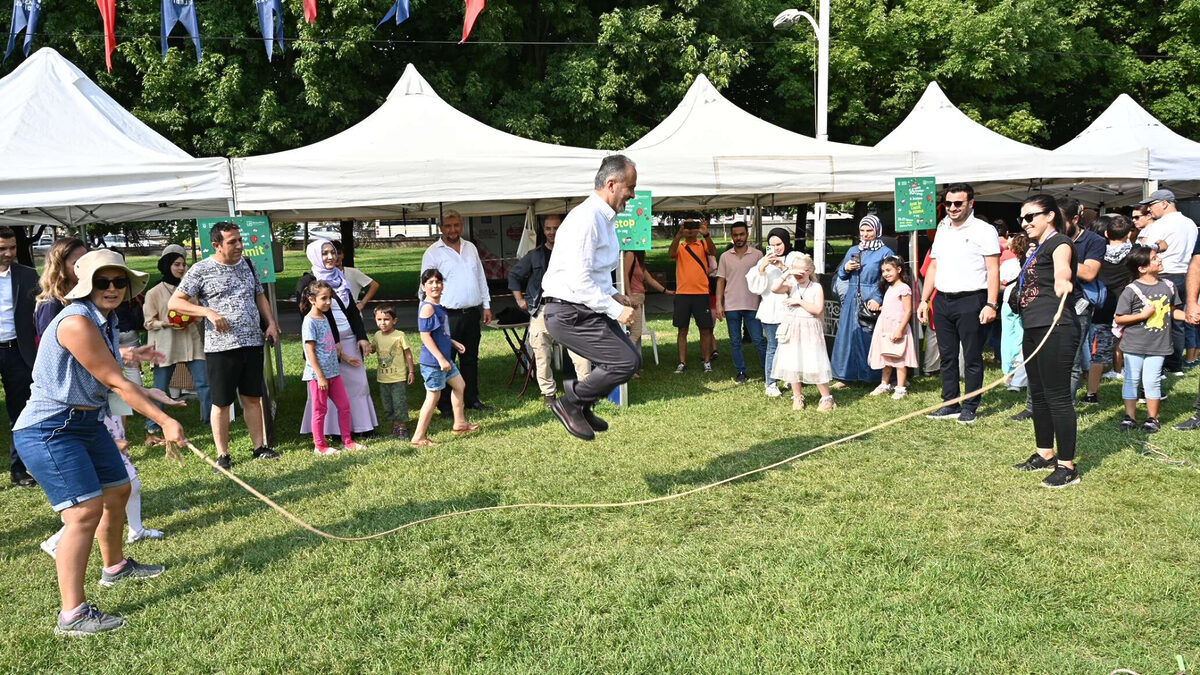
(271, 341)
(857, 257)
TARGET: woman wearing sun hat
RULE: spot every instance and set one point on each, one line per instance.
(62, 439)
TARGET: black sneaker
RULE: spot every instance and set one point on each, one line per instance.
(740, 379)
(1190, 424)
(596, 423)
(23, 479)
(1061, 477)
(1128, 424)
(1036, 463)
(967, 417)
(225, 462)
(946, 412)
(1090, 399)
(131, 570)
(1025, 414)
(265, 452)
(1151, 425)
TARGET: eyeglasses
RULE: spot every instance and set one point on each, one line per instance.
(1028, 217)
(102, 283)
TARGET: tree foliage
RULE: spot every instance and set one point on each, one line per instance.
(600, 74)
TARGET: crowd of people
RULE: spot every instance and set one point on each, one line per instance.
(1092, 292)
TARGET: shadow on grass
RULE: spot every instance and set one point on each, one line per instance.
(732, 464)
(255, 556)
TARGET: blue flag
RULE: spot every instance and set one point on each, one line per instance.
(184, 12)
(272, 26)
(25, 18)
(398, 10)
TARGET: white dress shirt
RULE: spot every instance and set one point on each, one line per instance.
(960, 252)
(465, 284)
(8, 318)
(1179, 232)
(586, 253)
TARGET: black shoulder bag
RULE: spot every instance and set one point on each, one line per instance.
(866, 316)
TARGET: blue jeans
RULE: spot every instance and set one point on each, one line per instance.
(734, 320)
(162, 382)
(1147, 369)
(769, 331)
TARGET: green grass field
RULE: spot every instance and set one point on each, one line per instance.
(915, 549)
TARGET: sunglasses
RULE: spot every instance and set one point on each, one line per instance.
(102, 283)
(1028, 217)
(956, 203)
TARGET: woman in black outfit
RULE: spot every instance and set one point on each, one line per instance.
(1048, 276)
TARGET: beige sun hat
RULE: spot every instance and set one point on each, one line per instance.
(90, 263)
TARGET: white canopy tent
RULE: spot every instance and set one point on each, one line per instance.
(950, 146)
(416, 155)
(71, 154)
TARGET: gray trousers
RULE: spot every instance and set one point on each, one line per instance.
(597, 338)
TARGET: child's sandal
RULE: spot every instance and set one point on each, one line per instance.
(797, 401)
(469, 429)
(423, 443)
(827, 403)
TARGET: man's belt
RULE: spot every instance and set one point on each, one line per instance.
(961, 294)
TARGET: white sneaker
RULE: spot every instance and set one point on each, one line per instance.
(900, 393)
(1113, 375)
(883, 388)
(773, 390)
(50, 546)
(147, 533)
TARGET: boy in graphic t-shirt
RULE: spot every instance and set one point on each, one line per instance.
(395, 370)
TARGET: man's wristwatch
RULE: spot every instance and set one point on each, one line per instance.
(993, 305)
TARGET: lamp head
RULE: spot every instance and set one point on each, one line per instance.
(787, 18)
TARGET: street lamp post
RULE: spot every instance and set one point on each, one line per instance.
(787, 19)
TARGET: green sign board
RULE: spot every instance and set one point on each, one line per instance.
(916, 204)
(256, 237)
(635, 222)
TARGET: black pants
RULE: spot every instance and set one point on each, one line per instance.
(957, 321)
(1174, 361)
(17, 380)
(598, 339)
(1054, 424)
(466, 327)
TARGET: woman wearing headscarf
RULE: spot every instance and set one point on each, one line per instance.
(348, 329)
(175, 335)
(771, 309)
(860, 268)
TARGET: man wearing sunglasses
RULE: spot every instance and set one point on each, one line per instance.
(1173, 235)
(964, 268)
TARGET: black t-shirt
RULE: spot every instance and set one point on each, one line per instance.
(1115, 276)
(1036, 292)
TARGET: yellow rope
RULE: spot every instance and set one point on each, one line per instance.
(640, 502)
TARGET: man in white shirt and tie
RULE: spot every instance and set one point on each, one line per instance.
(465, 298)
(583, 310)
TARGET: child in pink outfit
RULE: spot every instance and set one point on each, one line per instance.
(892, 344)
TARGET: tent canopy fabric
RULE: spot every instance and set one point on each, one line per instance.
(415, 155)
(710, 153)
(70, 153)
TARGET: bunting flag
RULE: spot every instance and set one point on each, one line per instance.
(398, 10)
(108, 15)
(474, 7)
(25, 18)
(310, 11)
(184, 12)
(271, 26)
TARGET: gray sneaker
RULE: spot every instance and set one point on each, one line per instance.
(89, 621)
(132, 570)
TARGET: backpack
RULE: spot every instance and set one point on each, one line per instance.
(1117, 329)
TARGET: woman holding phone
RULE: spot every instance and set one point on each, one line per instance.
(860, 268)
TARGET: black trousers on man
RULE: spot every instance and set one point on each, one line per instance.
(956, 316)
(599, 339)
(466, 327)
(1174, 361)
(17, 380)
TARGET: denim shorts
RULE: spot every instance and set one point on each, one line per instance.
(72, 456)
(436, 378)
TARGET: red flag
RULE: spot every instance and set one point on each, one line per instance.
(310, 11)
(108, 14)
(474, 7)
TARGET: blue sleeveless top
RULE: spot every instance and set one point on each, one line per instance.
(59, 380)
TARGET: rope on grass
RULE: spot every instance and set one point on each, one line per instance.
(1155, 453)
(639, 502)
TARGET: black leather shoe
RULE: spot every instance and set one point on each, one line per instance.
(480, 406)
(572, 418)
(23, 479)
(594, 422)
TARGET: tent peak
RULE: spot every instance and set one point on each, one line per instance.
(412, 84)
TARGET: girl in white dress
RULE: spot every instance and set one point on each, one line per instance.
(801, 357)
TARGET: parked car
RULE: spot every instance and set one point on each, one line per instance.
(118, 241)
(319, 232)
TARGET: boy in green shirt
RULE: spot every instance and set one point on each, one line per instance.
(395, 369)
